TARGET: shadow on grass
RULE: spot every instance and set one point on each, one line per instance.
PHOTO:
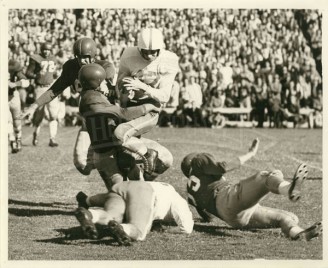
(215, 230)
(37, 204)
(75, 234)
(26, 212)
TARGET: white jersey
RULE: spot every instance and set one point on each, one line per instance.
(158, 74)
(169, 205)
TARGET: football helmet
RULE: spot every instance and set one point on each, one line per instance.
(46, 49)
(91, 76)
(150, 42)
(85, 48)
(186, 164)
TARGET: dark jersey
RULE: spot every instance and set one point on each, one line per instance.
(42, 69)
(102, 117)
(15, 74)
(69, 77)
(204, 181)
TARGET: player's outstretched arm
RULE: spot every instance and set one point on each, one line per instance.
(241, 160)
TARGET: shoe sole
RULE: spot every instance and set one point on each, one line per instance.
(88, 227)
(296, 185)
(310, 233)
(118, 233)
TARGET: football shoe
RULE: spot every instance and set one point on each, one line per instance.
(294, 192)
(116, 230)
(84, 217)
(310, 233)
(14, 148)
(81, 199)
(35, 139)
(151, 157)
(53, 143)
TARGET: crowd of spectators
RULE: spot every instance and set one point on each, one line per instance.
(266, 60)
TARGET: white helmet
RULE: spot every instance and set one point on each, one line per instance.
(150, 39)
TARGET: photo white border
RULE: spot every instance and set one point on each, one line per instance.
(247, 4)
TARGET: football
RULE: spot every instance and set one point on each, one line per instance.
(129, 93)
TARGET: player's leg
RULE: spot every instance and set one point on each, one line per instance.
(11, 134)
(53, 109)
(265, 217)
(15, 109)
(22, 95)
(107, 167)
(251, 190)
(126, 133)
(165, 157)
(38, 115)
(83, 152)
(140, 203)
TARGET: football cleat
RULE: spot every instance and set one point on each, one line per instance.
(116, 230)
(14, 148)
(19, 144)
(310, 233)
(81, 199)
(35, 139)
(294, 192)
(53, 143)
(151, 157)
(84, 217)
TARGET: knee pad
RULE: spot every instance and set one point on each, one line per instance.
(277, 173)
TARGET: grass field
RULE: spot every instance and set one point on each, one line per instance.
(43, 183)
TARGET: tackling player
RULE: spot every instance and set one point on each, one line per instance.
(101, 119)
(16, 79)
(85, 50)
(42, 68)
(147, 73)
(130, 208)
(238, 204)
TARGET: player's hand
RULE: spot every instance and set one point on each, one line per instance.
(255, 146)
(134, 84)
(151, 108)
(28, 112)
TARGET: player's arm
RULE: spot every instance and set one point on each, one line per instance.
(57, 87)
(126, 114)
(207, 217)
(241, 160)
(22, 81)
(30, 71)
(181, 214)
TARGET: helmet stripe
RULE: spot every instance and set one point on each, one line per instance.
(150, 38)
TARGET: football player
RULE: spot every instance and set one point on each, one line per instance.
(130, 208)
(238, 203)
(16, 79)
(85, 50)
(147, 73)
(42, 68)
(101, 119)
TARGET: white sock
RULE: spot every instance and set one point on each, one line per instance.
(53, 128)
(284, 187)
(295, 231)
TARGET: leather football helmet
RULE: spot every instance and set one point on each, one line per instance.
(150, 42)
(85, 47)
(91, 76)
(186, 164)
(46, 48)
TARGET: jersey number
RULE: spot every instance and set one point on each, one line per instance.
(193, 186)
(47, 67)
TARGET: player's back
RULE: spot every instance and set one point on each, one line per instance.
(44, 69)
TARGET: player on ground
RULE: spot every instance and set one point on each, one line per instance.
(146, 75)
(130, 208)
(16, 79)
(42, 68)
(238, 204)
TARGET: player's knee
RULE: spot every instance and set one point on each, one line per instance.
(121, 133)
(277, 174)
